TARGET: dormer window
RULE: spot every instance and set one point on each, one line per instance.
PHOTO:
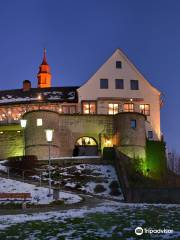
(118, 64)
(103, 83)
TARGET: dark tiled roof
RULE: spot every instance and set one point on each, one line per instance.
(53, 94)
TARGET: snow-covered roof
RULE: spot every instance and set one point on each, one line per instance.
(53, 94)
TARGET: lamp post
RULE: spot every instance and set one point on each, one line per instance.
(49, 137)
(23, 123)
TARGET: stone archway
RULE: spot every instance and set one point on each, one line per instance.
(85, 146)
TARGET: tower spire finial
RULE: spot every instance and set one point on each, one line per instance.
(44, 62)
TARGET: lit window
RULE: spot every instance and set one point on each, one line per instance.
(119, 83)
(150, 134)
(112, 108)
(103, 83)
(118, 64)
(89, 107)
(144, 109)
(134, 85)
(128, 107)
(86, 141)
(39, 122)
(133, 123)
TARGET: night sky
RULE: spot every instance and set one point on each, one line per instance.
(81, 34)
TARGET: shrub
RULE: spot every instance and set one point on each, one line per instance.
(99, 188)
(114, 187)
(19, 163)
(156, 159)
(77, 187)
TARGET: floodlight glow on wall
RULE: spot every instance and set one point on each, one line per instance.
(39, 122)
(23, 123)
(108, 142)
(49, 134)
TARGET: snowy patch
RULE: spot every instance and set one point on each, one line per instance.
(19, 99)
(3, 168)
(39, 194)
(7, 220)
(98, 180)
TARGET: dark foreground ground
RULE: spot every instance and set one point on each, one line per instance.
(105, 221)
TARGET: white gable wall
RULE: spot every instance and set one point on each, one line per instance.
(91, 89)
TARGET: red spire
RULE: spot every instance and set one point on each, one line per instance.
(44, 62)
(44, 74)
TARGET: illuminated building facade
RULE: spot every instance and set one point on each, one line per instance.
(116, 87)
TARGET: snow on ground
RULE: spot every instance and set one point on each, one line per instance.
(91, 176)
(95, 175)
(39, 194)
(108, 221)
(2, 167)
(78, 157)
(7, 220)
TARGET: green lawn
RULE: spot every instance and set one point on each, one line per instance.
(118, 224)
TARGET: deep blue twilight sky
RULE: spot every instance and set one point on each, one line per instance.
(80, 35)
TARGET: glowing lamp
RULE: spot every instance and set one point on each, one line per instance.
(49, 134)
(23, 123)
(39, 97)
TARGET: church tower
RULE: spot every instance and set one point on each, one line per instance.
(44, 75)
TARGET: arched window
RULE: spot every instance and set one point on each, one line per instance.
(86, 141)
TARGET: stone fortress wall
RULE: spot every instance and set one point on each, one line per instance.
(106, 130)
(11, 141)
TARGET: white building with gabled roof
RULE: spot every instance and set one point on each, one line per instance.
(119, 86)
(117, 106)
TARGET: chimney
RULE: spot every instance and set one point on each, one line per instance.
(26, 85)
